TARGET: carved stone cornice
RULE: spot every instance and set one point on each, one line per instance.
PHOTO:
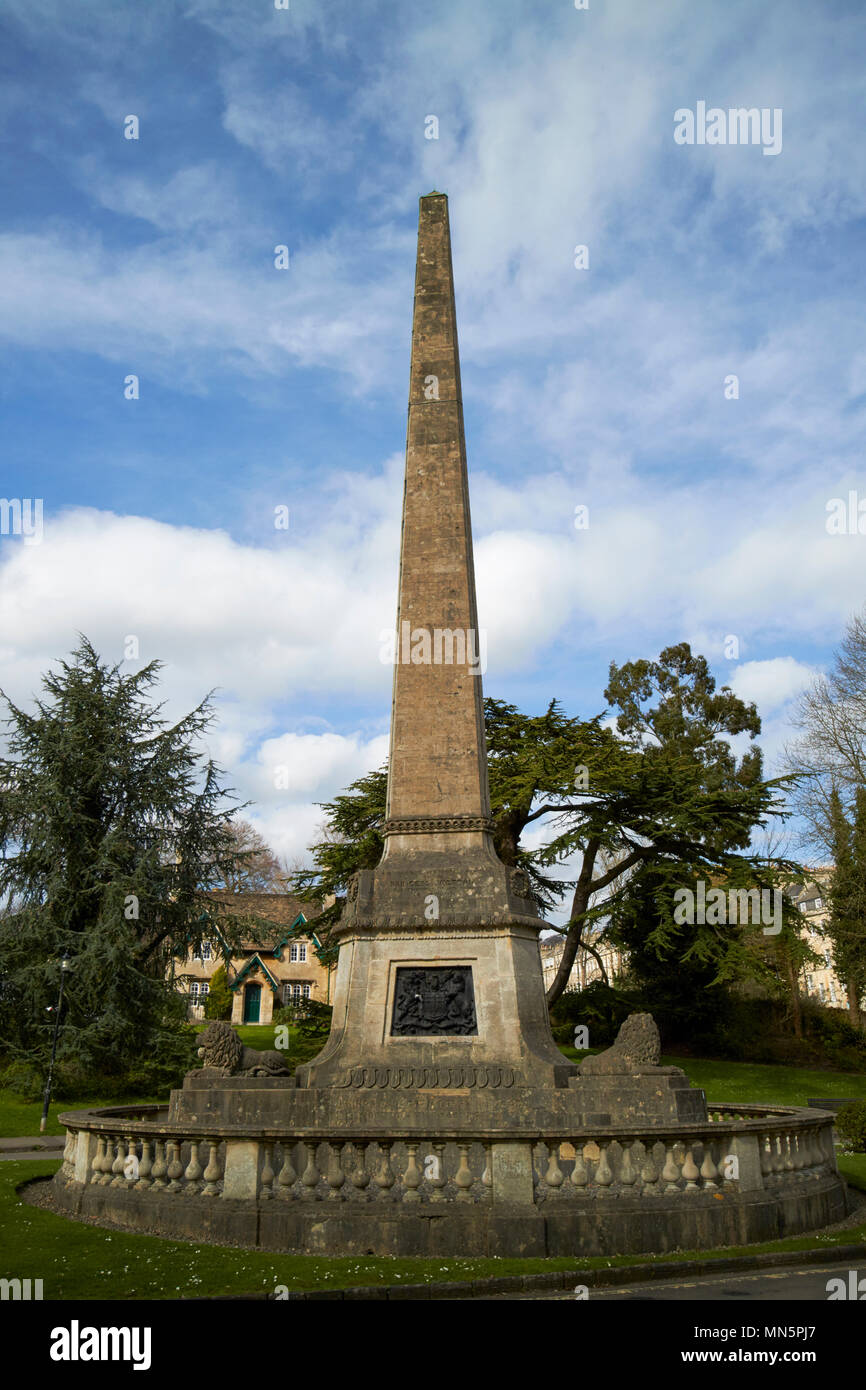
(436, 825)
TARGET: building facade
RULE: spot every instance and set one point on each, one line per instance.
(585, 968)
(819, 982)
(274, 967)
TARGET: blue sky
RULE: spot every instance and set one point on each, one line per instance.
(260, 388)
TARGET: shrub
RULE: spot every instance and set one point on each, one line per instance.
(23, 1078)
(600, 1007)
(315, 1022)
(220, 998)
(311, 1019)
(851, 1125)
(833, 1027)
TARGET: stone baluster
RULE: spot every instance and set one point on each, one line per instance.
(487, 1175)
(212, 1172)
(360, 1177)
(117, 1165)
(335, 1175)
(776, 1155)
(787, 1155)
(603, 1172)
(579, 1175)
(192, 1175)
(288, 1176)
(109, 1160)
(627, 1171)
(310, 1175)
(649, 1171)
(690, 1168)
(765, 1144)
(96, 1165)
(384, 1176)
(160, 1167)
(809, 1150)
(145, 1164)
(130, 1162)
(709, 1171)
(68, 1154)
(463, 1178)
(113, 1168)
(554, 1176)
(266, 1185)
(804, 1149)
(437, 1179)
(412, 1175)
(175, 1167)
(106, 1160)
(670, 1173)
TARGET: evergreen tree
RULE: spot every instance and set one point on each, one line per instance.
(219, 998)
(112, 829)
(846, 927)
(664, 790)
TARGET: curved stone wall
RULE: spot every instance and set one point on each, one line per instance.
(749, 1173)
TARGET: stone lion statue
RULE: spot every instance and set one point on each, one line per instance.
(223, 1053)
(637, 1045)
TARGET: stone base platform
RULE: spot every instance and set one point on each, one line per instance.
(590, 1226)
(439, 1100)
(438, 1180)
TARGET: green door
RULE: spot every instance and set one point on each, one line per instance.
(252, 1000)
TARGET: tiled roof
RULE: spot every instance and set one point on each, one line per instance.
(279, 908)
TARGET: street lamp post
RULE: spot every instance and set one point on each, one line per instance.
(65, 966)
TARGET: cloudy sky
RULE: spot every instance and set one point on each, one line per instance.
(600, 385)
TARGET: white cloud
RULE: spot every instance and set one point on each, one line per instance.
(770, 684)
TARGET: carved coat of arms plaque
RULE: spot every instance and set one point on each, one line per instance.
(433, 1001)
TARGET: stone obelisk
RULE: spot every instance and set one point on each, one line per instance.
(439, 982)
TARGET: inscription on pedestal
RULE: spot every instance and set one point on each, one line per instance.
(433, 1001)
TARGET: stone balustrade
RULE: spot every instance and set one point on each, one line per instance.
(737, 1150)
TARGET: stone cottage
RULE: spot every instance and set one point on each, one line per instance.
(275, 965)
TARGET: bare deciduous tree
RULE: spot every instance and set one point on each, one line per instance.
(830, 752)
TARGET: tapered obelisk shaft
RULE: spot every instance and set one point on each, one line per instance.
(439, 982)
(438, 764)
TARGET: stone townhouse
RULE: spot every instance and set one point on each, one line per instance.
(819, 981)
(585, 968)
(275, 966)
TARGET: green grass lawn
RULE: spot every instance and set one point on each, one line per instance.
(79, 1261)
(853, 1169)
(760, 1083)
(19, 1117)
